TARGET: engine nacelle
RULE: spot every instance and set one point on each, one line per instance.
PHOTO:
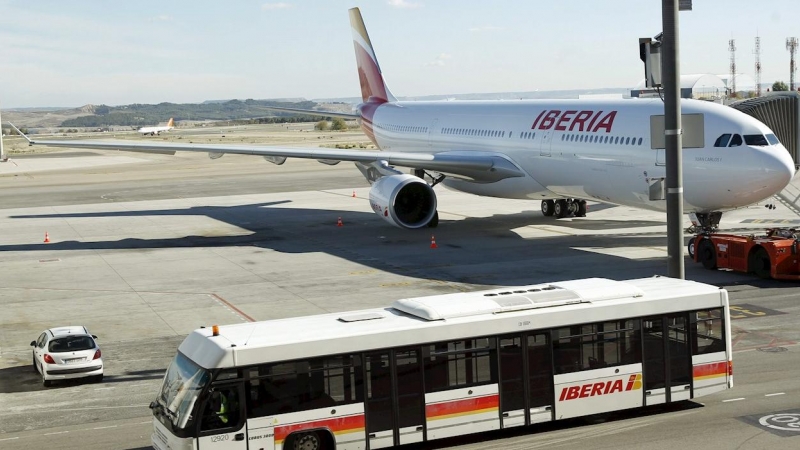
(404, 200)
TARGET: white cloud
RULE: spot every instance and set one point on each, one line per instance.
(271, 6)
(440, 60)
(160, 18)
(485, 28)
(403, 4)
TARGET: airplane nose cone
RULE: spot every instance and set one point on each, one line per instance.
(779, 168)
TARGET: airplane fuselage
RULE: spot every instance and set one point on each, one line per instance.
(589, 149)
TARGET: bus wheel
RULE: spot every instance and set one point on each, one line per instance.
(306, 441)
(707, 254)
(759, 263)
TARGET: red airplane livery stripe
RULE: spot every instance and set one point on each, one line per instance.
(574, 120)
(462, 407)
(349, 424)
(713, 370)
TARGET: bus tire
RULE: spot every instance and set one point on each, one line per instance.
(759, 263)
(307, 441)
(707, 254)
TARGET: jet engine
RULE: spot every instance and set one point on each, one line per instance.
(403, 200)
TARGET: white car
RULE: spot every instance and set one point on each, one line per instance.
(65, 353)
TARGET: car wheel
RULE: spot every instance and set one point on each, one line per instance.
(97, 378)
(45, 381)
(33, 363)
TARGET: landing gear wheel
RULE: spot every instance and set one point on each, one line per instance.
(434, 221)
(561, 209)
(707, 254)
(307, 441)
(547, 207)
(581, 209)
(691, 247)
(759, 263)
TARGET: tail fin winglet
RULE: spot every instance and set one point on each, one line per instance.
(171, 123)
(369, 72)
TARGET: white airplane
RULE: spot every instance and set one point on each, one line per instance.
(559, 152)
(152, 131)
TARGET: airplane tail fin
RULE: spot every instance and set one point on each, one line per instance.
(171, 123)
(369, 72)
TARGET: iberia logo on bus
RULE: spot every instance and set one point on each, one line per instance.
(601, 388)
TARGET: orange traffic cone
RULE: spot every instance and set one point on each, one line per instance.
(339, 223)
(433, 242)
(46, 238)
(354, 194)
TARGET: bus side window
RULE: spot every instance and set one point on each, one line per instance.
(708, 335)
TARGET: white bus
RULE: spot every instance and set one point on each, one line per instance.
(446, 365)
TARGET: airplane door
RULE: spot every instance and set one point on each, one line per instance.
(667, 360)
(544, 144)
(660, 157)
(395, 399)
(431, 130)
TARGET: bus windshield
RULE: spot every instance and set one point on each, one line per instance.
(182, 384)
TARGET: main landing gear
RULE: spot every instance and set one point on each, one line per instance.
(564, 207)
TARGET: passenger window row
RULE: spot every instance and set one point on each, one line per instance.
(402, 128)
(595, 139)
(473, 132)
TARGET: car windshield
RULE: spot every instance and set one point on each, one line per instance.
(182, 383)
(70, 344)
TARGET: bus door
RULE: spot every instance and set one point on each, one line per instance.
(395, 399)
(666, 358)
(526, 380)
(222, 419)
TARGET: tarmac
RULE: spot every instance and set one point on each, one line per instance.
(145, 248)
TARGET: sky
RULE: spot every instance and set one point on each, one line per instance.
(59, 53)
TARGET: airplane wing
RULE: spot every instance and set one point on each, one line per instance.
(483, 167)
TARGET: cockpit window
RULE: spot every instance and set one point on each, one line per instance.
(772, 139)
(722, 141)
(736, 141)
(755, 139)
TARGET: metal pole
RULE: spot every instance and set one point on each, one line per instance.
(672, 129)
(3, 157)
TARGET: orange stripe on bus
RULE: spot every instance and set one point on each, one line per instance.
(339, 425)
(713, 370)
(462, 407)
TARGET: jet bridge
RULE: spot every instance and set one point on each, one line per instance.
(781, 112)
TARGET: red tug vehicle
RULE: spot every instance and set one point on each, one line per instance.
(774, 255)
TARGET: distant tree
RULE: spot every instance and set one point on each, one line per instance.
(322, 125)
(338, 124)
(779, 86)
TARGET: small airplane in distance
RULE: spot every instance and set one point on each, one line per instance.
(557, 152)
(152, 131)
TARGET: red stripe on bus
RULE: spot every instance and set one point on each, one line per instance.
(336, 425)
(710, 370)
(464, 406)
